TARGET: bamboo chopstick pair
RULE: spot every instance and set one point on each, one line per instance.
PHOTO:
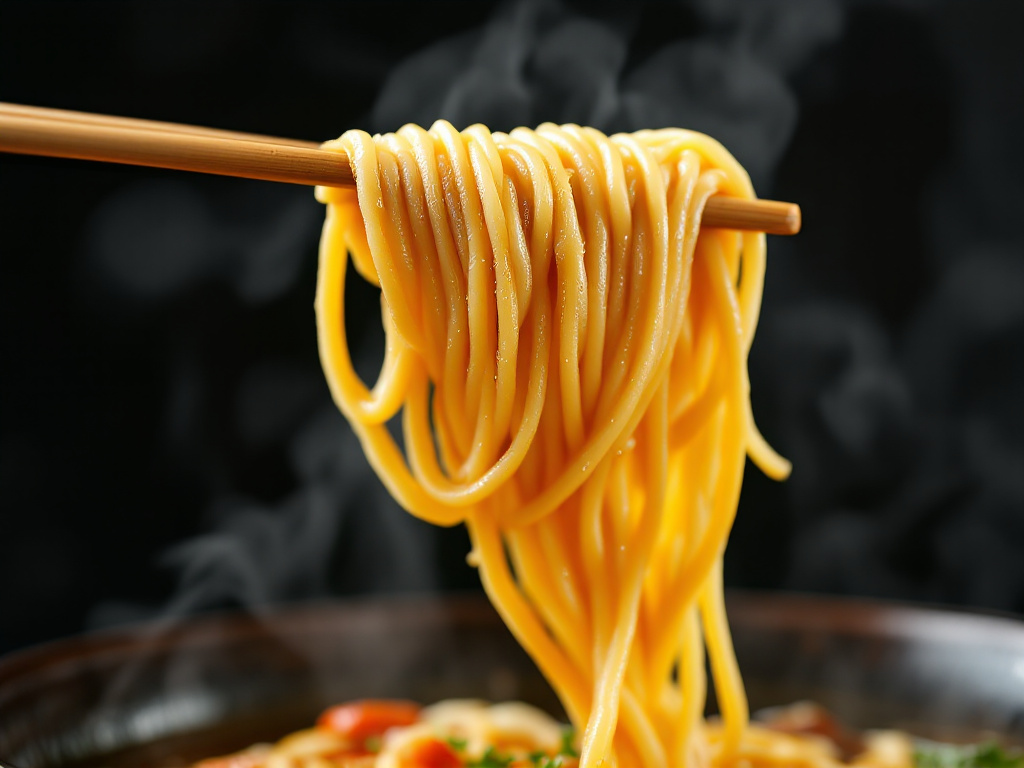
(85, 136)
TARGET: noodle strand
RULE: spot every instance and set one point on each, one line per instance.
(568, 351)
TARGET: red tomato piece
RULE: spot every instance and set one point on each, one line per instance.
(431, 753)
(359, 720)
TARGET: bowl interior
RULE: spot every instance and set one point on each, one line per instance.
(167, 695)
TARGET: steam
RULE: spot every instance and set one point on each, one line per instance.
(533, 61)
(158, 238)
(259, 555)
(538, 61)
(906, 436)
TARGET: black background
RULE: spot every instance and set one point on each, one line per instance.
(167, 443)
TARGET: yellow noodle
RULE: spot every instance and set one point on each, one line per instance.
(569, 353)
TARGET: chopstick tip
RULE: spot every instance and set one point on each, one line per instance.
(794, 219)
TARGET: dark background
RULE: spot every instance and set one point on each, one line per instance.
(167, 443)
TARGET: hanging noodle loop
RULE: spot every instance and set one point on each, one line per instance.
(568, 350)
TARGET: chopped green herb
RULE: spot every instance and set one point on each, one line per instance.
(567, 748)
(991, 755)
(491, 758)
(372, 744)
(457, 744)
(542, 760)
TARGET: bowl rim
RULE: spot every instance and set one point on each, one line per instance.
(800, 611)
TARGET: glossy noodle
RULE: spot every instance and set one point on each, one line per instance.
(568, 352)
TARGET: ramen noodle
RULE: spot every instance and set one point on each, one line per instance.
(472, 734)
(567, 348)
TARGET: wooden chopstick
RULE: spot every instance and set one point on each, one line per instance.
(55, 133)
(91, 118)
(85, 136)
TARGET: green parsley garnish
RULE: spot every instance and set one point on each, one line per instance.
(542, 760)
(491, 758)
(457, 744)
(991, 755)
(551, 762)
(567, 749)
